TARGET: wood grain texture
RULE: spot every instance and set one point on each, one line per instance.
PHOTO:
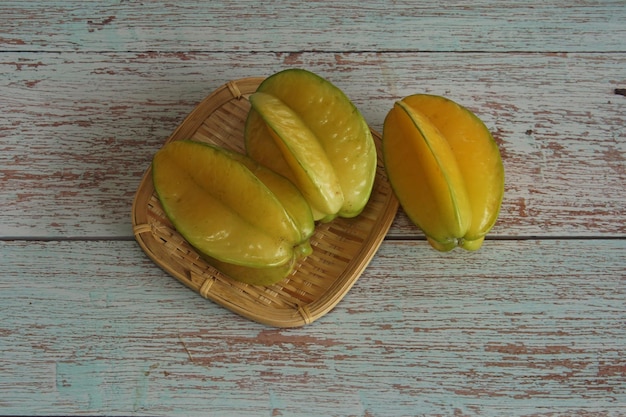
(95, 328)
(80, 129)
(288, 26)
(533, 324)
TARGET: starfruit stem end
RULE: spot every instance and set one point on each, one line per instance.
(470, 245)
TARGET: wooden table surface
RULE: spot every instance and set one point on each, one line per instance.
(532, 324)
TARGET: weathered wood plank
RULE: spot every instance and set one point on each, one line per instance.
(519, 328)
(78, 129)
(525, 326)
(287, 26)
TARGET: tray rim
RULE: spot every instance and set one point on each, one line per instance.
(300, 315)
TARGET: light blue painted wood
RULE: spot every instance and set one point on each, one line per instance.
(288, 26)
(80, 129)
(521, 327)
(89, 325)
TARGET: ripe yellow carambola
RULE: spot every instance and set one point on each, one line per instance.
(305, 128)
(310, 156)
(445, 169)
(229, 215)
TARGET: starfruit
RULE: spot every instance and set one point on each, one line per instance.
(445, 168)
(287, 193)
(305, 128)
(227, 213)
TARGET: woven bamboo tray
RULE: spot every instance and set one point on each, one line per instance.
(341, 249)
